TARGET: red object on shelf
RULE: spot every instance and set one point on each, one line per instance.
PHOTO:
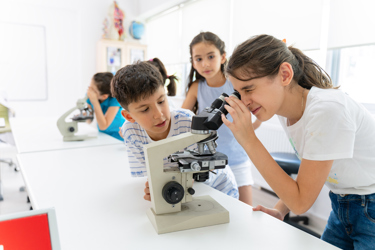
(30, 233)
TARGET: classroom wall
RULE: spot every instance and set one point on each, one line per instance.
(72, 29)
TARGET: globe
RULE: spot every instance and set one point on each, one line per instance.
(136, 30)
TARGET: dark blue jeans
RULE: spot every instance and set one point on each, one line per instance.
(351, 224)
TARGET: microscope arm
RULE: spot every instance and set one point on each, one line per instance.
(65, 127)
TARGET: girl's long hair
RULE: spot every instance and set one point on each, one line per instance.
(262, 56)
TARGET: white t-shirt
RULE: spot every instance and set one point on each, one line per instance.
(135, 137)
(335, 127)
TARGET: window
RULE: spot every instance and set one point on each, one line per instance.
(352, 68)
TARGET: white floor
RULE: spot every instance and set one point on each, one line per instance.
(16, 201)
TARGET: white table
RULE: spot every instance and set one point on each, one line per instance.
(34, 134)
(99, 206)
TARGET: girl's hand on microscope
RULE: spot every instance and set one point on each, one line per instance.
(92, 95)
(241, 127)
(147, 195)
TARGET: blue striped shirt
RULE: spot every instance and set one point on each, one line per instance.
(135, 137)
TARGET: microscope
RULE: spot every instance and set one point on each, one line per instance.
(69, 129)
(173, 206)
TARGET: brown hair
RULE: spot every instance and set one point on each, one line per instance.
(103, 82)
(262, 56)
(172, 86)
(135, 82)
(205, 37)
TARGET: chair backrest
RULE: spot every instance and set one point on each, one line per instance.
(4, 113)
(36, 229)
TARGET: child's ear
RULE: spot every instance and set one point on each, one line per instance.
(127, 116)
(223, 58)
(286, 73)
(104, 96)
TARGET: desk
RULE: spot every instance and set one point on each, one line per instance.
(34, 134)
(100, 206)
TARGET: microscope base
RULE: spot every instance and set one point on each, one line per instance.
(78, 138)
(201, 212)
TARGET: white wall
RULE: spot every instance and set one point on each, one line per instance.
(72, 29)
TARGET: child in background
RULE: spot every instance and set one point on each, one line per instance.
(140, 90)
(208, 59)
(332, 135)
(172, 86)
(106, 108)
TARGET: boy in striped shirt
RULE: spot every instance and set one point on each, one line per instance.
(139, 88)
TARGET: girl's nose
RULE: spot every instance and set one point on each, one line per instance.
(247, 101)
(205, 63)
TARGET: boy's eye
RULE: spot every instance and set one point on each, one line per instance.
(211, 57)
(160, 102)
(145, 110)
(198, 59)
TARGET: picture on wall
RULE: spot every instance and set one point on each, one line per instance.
(113, 59)
(137, 55)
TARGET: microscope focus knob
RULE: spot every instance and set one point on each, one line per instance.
(173, 192)
(71, 129)
(191, 191)
(195, 166)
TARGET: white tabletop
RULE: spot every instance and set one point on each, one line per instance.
(99, 206)
(33, 134)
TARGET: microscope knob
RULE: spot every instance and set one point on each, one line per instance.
(195, 166)
(191, 191)
(71, 129)
(173, 192)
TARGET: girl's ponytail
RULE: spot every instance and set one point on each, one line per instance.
(172, 86)
(308, 73)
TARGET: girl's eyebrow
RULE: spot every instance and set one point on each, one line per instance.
(247, 87)
(207, 54)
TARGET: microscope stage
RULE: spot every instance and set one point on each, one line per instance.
(201, 212)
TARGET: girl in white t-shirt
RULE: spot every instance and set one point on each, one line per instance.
(333, 135)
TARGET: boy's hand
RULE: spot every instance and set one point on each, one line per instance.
(147, 195)
(273, 212)
(119, 132)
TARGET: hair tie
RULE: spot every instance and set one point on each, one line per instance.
(151, 59)
(284, 40)
(168, 76)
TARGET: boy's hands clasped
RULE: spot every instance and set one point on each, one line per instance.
(241, 126)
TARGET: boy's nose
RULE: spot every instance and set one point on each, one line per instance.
(158, 113)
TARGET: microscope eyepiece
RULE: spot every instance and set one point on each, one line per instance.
(210, 117)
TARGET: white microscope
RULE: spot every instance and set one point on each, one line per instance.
(173, 206)
(69, 129)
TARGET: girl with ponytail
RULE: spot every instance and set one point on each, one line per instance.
(332, 135)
